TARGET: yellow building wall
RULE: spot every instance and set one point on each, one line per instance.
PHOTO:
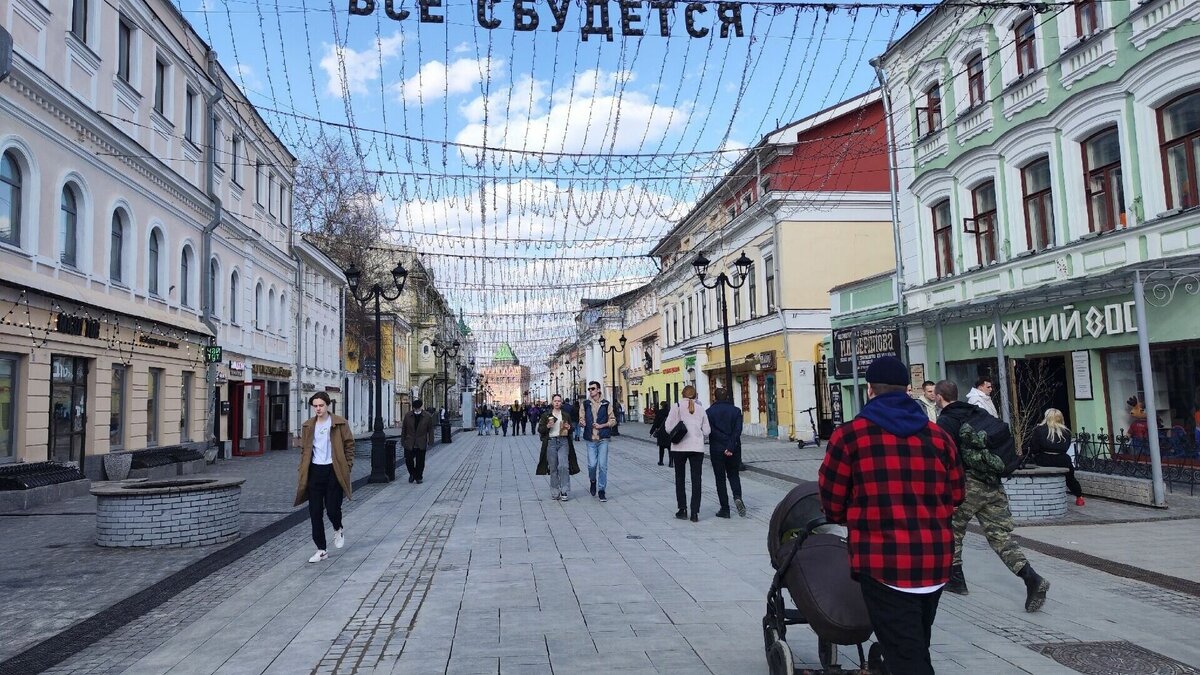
(824, 255)
(783, 387)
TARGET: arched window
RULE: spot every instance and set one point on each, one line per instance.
(1104, 180)
(308, 339)
(214, 273)
(976, 85)
(271, 309)
(281, 322)
(185, 277)
(1180, 150)
(943, 247)
(116, 253)
(233, 298)
(1024, 36)
(154, 269)
(10, 200)
(258, 306)
(68, 226)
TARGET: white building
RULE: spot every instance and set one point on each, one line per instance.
(319, 317)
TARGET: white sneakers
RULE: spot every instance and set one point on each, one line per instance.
(318, 557)
(339, 538)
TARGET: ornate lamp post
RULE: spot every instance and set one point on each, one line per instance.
(575, 369)
(612, 357)
(721, 282)
(445, 353)
(377, 292)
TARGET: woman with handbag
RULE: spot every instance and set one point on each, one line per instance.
(658, 430)
(1051, 440)
(686, 426)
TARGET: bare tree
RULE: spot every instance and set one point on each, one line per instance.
(1036, 384)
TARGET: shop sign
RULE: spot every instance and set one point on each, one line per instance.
(213, 354)
(237, 366)
(333, 390)
(766, 360)
(270, 371)
(869, 343)
(689, 362)
(634, 381)
(672, 369)
(308, 386)
(157, 342)
(1069, 324)
(835, 403)
(75, 325)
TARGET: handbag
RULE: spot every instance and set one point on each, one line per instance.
(679, 430)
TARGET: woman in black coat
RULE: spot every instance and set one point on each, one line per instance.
(660, 420)
(1051, 439)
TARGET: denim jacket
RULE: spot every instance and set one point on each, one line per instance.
(585, 418)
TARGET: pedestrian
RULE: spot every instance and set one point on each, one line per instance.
(893, 478)
(688, 453)
(725, 450)
(495, 424)
(619, 413)
(597, 421)
(928, 400)
(326, 458)
(985, 500)
(577, 405)
(504, 421)
(981, 395)
(557, 458)
(658, 430)
(416, 435)
(516, 415)
(1051, 441)
(480, 417)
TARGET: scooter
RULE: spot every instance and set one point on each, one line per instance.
(816, 441)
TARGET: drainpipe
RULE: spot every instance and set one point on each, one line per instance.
(893, 189)
(206, 246)
(298, 293)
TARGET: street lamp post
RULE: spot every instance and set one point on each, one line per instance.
(377, 292)
(612, 352)
(721, 282)
(575, 369)
(445, 353)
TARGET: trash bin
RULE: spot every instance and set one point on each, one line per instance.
(389, 468)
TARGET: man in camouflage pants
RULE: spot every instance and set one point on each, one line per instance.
(985, 500)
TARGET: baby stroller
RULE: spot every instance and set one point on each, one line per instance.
(811, 560)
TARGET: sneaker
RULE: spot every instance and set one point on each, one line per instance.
(1079, 501)
(555, 495)
(695, 517)
(593, 488)
(681, 514)
(741, 507)
(563, 497)
(723, 513)
(339, 538)
(602, 497)
(318, 557)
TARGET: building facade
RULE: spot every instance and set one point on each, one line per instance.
(319, 320)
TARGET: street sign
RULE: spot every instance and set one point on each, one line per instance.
(213, 354)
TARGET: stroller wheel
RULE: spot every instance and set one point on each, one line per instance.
(770, 634)
(779, 659)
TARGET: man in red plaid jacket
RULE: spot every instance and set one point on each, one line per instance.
(893, 478)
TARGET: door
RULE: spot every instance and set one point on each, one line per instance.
(826, 419)
(247, 416)
(278, 418)
(772, 407)
(68, 408)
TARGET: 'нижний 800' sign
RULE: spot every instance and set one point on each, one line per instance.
(597, 19)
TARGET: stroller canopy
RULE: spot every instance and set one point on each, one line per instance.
(796, 515)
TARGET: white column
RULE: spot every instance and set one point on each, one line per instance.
(702, 388)
(752, 413)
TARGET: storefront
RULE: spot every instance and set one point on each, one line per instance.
(257, 401)
(760, 383)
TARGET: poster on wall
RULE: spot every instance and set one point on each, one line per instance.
(916, 373)
(1081, 367)
(835, 403)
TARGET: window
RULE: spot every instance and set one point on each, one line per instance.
(753, 288)
(271, 309)
(79, 19)
(271, 194)
(185, 409)
(153, 270)
(235, 160)
(116, 252)
(189, 117)
(124, 49)
(675, 325)
(259, 184)
(1180, 124)
(233, 298)
(8, 406)
(1039, 204)
(185, 277)
(10, 200)
(214, 271)
(943, 245)
(984, 198)
(153, 393)
(258, 306)
(976, 88)
(737, 302)
(769, 264)
(1026, 46)
(160, 87)
(730, 214)
(68, 226)
(116, 415)
(691, 322)
(703, 310)
(1102, 171)
(929, 118)
(1087, 18)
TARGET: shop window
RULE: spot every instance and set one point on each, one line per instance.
(116, 415)
(10, 199)
(1087, 18)
(984, 223)
(929, 117)
(1024, 34)
(1179, 121)
(68, 226)
(976, 86)
(153, 393)
(943, 245)
(8, 406)
(1039, 204)
(1102, 169)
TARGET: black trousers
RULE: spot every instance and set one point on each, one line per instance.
(670, 455)
(726, 468)
(1063, 460)
(414, 460)
(681, 460)
(903, 623)
(324, 495)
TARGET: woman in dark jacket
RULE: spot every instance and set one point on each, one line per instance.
(1051, 439)
(659, 424)
(554, 427)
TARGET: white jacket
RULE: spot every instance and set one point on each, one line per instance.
(696, 423)
(978, 398)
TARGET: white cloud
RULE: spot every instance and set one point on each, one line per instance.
(436, 79)
(350, 71)
(247, 76)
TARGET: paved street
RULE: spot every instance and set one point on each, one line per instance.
(478, 571)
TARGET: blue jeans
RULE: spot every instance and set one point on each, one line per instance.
(479, 422)
(598, 463)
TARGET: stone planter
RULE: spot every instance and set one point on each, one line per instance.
(1037, 495)
(173, 513)
(116, 465)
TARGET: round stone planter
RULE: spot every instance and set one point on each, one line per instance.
(1037, 494)
(117, 464)
(169, 513)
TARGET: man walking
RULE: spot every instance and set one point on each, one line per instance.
(985, 499)
(416, 435)
(596, 421)
(893, 478)
(725, 450)
(981, 395)
(326, 458)
(928, 400)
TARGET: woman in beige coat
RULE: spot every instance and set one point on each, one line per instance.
(690, 450)
(326, 457)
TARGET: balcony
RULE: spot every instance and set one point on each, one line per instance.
(1088, 56)
(973, 122)
(1024, 94)
(1155, 17)
(931, 146)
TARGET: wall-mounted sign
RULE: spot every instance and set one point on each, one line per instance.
(1081, 367)
(766, 360)
(237, 366)
(869, 343)
(835, 403)
(270, 371)
(1069, 324)
(157, 342)
(77, 325)
(916, 374)
(308, 386)
(213, 354)
(225, 407)
(595, 17)
(672, 369)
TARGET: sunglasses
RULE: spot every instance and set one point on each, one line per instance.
(593, 388)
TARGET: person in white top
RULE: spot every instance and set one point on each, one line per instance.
(326, 459)
(981, 395)
(689, 450)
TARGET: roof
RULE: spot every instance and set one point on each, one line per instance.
(504, 355)
(862, 281)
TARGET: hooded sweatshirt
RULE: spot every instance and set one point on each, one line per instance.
(896, 412)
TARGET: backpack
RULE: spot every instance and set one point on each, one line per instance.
(981, 429)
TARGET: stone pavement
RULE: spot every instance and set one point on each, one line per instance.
(479, 571)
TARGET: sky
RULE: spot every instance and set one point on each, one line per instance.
(533, 168)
